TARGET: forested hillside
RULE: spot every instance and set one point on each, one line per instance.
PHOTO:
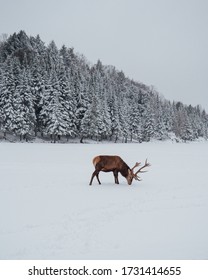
(57, 94)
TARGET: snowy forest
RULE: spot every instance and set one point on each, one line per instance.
(57, 95)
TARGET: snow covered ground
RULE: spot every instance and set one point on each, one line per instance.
(49, 211)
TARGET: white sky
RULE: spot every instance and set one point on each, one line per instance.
(163, 43)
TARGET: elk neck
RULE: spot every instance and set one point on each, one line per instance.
(124, 170)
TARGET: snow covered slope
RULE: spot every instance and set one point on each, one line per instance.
(49, 211)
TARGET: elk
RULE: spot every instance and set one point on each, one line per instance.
(115, 164)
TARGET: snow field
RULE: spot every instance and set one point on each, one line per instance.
(49, 211)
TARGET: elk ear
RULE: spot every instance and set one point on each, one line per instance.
(129, 171)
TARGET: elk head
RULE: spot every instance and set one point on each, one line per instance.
(131, 175)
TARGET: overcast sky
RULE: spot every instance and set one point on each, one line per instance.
(163, 43)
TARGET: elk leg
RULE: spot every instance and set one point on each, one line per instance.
(98, 178)
(95, 173)
(115, 173)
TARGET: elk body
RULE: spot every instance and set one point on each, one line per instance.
(115, 164)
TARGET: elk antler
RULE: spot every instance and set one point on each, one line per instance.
(136, 164)
(136, 177)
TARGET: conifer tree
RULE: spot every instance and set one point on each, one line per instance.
(7, 90)
(24, 113)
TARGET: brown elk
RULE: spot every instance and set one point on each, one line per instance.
(115, 164)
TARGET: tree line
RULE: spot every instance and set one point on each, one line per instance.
(56, 93)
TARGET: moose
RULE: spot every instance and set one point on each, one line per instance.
(115, 164)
